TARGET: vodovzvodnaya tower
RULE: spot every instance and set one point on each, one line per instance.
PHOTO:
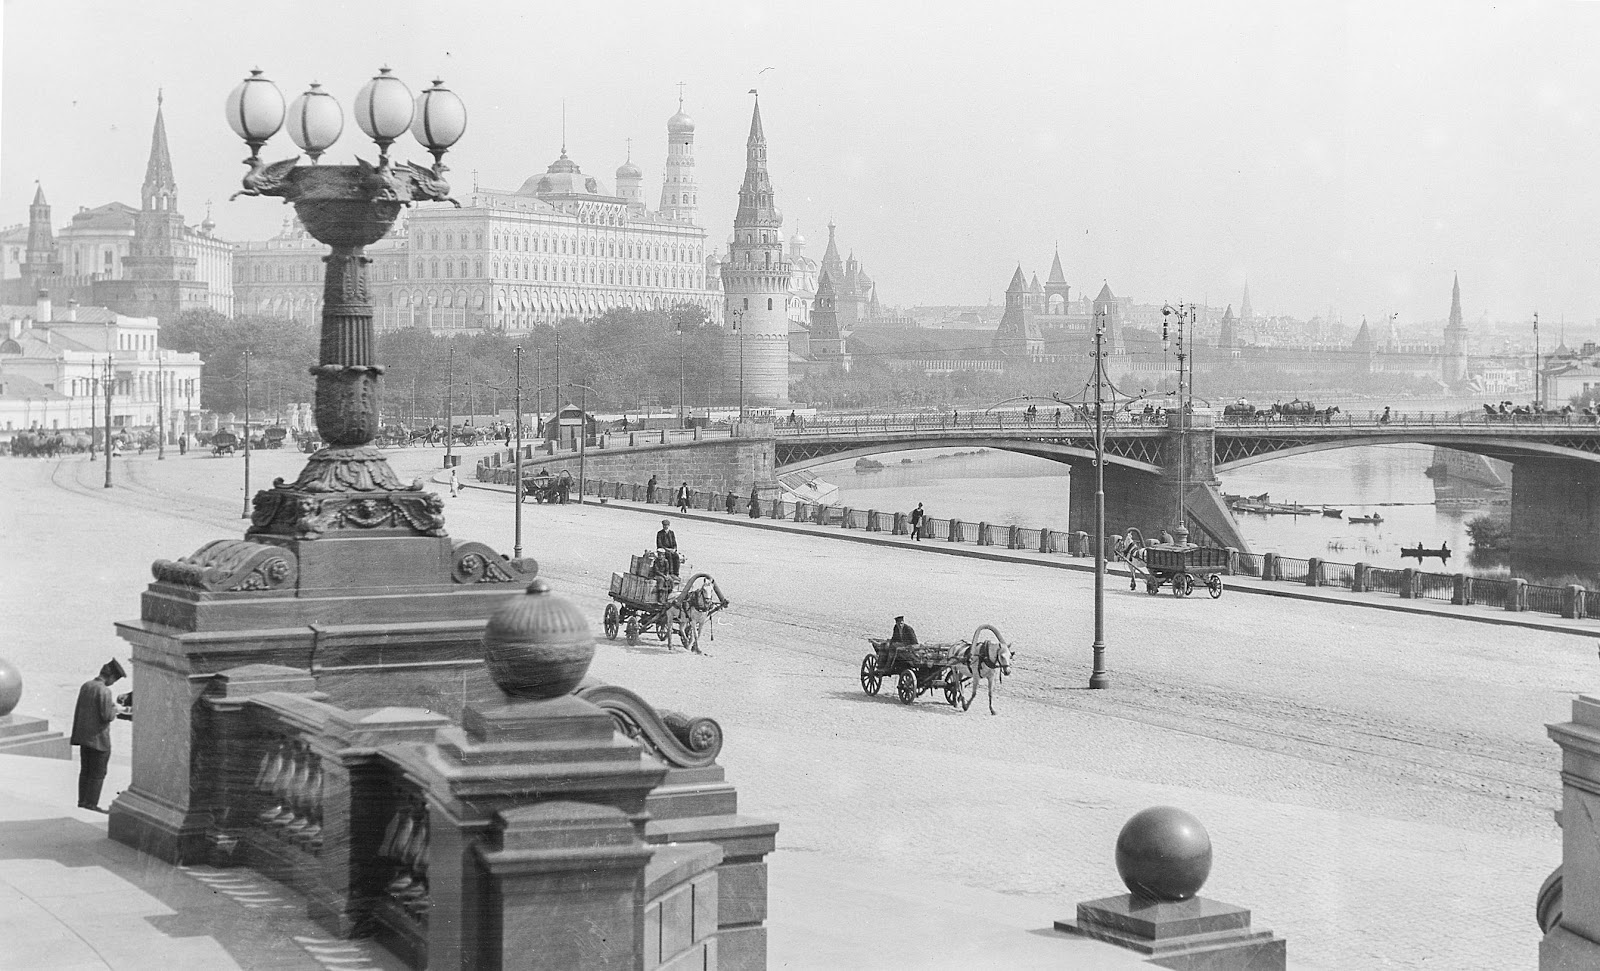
(755, 282)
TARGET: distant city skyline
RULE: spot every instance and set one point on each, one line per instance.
(1347, 155)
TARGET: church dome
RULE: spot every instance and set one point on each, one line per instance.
(627, 170)
(680, 122)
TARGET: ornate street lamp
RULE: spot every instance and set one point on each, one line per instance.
(1098, 676)
(348, 483)
(1184, 318)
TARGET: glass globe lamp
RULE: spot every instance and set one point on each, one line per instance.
(384, 109)
(440, 120)
(315, 121)
(255, 110)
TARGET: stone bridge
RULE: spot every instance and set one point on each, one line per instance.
(1555, 497)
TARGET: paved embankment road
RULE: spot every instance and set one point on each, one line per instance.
(1377, 784)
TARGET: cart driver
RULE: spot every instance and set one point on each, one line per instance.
(903, 632)
(667, 540)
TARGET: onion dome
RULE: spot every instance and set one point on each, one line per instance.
(538, 645)
(680, 122)
(627, 170)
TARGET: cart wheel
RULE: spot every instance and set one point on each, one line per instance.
(633, 630)
(1214, 584)
(955, 689)
(908, 686)
(662, 628)
(611, 621)
(1188, 585)
(871, 680)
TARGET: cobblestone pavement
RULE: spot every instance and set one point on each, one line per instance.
(1377, 784)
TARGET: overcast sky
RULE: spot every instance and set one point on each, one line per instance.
(1344, 155)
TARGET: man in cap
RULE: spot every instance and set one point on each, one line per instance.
(667, 540)
(903, 632)
(91, 732)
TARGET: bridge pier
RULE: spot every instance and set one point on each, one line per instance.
(1150, 501)
(1555, 510)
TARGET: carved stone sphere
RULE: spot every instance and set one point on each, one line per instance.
(1164, 853)
(10, 687)
(538, 646)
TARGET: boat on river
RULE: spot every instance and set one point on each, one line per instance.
(1333, 513)
(1374, 518)
(1419, 551)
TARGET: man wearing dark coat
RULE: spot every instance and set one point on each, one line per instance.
(667, 540)
(91, 732)
(682, 499)
(903, 632)
(650, 490)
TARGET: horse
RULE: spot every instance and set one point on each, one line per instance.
(690, 610)
(1325, 415)
(989, 660)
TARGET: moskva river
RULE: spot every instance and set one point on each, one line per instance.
(1387, 480)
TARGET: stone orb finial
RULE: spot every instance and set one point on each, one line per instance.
(10, 687)
(1163, 853)
(538, 646)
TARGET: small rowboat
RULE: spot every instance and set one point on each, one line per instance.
(1374, 518)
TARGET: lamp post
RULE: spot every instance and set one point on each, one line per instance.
(110, 375)
(682, 414)
(246, 513)
(583, 431)
(517, 548)
(738, 328)
(449, 399)
(94, 401)
(347, 207)
(1183, 314)
(161, 409)
(1538, 390)
(1098, 678)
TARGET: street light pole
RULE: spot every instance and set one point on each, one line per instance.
(516, 551)
(682, 423)
(94, 407)
(1098, 678)
(1538, 391)
(246, 513)
(449, 394)
(1181, 532)
(738, 328)
(161, 409)
(110, 374)
(583, 431)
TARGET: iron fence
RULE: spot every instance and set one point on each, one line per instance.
(1545, 598)
(1436, 586)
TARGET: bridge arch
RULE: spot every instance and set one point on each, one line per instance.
(1506, 449)
(796, 456)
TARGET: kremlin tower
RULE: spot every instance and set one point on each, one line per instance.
(1455, 341)
(755, 282)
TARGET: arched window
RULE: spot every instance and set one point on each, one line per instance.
(769, 303)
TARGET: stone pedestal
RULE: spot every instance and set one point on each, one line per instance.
(1570, 907)
(372, 619)
(25, 735)
(536, 855)
(1193, 935)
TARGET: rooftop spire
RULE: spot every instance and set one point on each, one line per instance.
(1056, 276)
(756, 134)
(756, 203)
(1455, 303)
(158, 173)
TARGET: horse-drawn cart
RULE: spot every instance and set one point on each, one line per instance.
(650, 597)
(1183, 566)
(918, 668)
(224, 443)
(544, 487)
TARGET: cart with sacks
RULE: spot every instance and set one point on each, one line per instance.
(916, 669)
(652, 598)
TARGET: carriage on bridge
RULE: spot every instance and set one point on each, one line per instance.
(1182, 566)
(652, 598)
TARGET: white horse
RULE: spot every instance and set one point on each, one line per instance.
(691, 608)
(986, 659)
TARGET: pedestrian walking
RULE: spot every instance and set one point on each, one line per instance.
(650, 490)
(755, 504)
(683, 498)
(917, 516)
(732, 502)
(91, 732)
(455, 484)
(508, 436)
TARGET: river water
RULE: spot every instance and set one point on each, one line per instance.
(1388, 480)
